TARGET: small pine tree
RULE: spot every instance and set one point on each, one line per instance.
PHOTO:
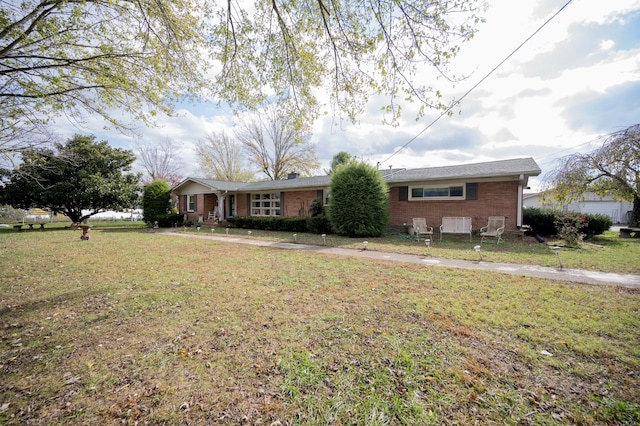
(156, 200)
(359, 205)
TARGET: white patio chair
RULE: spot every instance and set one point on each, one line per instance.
(420, 227)
(494, 228)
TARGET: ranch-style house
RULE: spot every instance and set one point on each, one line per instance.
(476, 191)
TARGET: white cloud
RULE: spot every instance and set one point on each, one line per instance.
(607, 44)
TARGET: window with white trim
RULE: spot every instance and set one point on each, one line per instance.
(437, 192)
(265, 204)
(191, 203)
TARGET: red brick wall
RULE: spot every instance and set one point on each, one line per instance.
(298, 202)
(494, 199)
(241, 205)
(204, 204)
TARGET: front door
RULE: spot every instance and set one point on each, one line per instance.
(232, 205)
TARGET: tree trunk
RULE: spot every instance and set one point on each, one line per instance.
(74, 215)
(635, 215)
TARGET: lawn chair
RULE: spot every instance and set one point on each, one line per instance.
(494, 228)
(420, 228)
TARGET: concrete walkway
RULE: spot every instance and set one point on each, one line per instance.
(571, 275)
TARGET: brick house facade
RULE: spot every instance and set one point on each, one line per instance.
(475, 190)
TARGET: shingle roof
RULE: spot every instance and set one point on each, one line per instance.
(518, 166)
(297, 183)
(512, 167)
(215, 185)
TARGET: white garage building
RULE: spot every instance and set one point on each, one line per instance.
(618, 211)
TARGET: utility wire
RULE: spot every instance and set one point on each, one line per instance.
(494, 69)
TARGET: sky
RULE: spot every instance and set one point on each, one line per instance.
(573, 82)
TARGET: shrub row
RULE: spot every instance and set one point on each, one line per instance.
(542, 221)
(315, 224)
(169, 220)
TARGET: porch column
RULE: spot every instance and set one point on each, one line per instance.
(221, 197)
(520, 201)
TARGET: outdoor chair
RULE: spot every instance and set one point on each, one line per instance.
(420, 228)
(494, 228)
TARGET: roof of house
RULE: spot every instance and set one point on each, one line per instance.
(513, 167)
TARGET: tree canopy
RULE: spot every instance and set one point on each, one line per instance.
(351, 49)
(75, 57)
(613, 169)
(81, 174)
(340, 159)
(78, 57)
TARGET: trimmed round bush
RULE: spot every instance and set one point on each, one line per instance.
(156, 200)
(359, 205)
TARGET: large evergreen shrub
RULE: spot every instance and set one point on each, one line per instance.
(359, 205)
(156, 200)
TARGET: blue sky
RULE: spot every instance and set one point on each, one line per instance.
(576, 80)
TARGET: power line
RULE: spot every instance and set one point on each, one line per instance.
(552, 155)
(445, 112)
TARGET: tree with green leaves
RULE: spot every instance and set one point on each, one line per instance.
(276, 144)
(340, 159)
(613, 169)
(80, 175)
(156, 200)
(351, 50)
(220, 157)
(359, 204)
(78, 57)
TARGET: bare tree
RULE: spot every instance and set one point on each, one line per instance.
(278, 144)
(221, 158)
(160, 160)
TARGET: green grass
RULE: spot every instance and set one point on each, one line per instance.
(133, 327)
(605, 253)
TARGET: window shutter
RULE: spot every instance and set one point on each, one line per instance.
(282, 204)
(195, 203)
(472, 191)
(184, 203)
(403, 193)
(319, 195)
(248, 204)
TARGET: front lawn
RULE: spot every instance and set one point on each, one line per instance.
(132, 327)
(605, 253)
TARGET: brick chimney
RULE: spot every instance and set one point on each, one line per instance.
(293, 175)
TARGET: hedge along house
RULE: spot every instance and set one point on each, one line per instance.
(475, 190)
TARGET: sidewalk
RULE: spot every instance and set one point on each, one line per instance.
(571, 275)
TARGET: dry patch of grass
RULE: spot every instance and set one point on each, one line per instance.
(134, 328)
